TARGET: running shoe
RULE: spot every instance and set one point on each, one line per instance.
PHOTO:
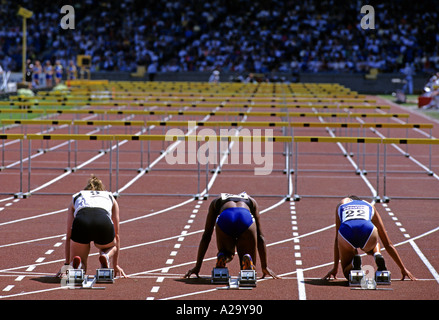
(381, 264)
(76, 262)
(221, 260)
(247, 263)
(356, 262)
(105, 262)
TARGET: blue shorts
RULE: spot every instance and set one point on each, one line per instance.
(357, 232)
(234, 221)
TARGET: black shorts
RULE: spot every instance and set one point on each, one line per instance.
(92, 224)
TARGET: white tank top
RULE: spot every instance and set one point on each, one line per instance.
(93, 199)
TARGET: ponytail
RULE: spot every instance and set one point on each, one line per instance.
(94, 184)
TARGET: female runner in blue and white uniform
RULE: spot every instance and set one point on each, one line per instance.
(359, 225)
(236, 222)
(93, 216)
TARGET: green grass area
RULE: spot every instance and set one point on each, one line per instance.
(412, 104)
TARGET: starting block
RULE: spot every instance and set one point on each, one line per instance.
(104, 275)
(89, 283)
(75, 277)
(220, 275)
(382, 277)
(247, 278)
(356, 277)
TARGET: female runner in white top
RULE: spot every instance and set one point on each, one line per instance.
(93, 216)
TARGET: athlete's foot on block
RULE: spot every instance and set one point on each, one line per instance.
(76, 262)
(221, 260)
(356, 263)
(381, 264)
(247, 263)
(103, 259)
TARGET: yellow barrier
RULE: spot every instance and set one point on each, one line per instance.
(220, 138)
(109, 137)
(410, 141)
(208, 112)
(203, 138)
(108, 123)
(186, 97)
(11, 136)
(338, 139)
(36, 121)
(87, 82)
(6, 111)
(69, 137)
(217, 123)
(367, 140)
(290, 124)
(180, 103)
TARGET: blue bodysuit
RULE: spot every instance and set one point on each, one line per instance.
(235, 220)
(356, 226)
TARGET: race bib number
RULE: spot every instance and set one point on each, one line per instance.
(351, 212)
(225, 196)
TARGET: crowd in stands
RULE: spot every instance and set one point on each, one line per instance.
(239, 36)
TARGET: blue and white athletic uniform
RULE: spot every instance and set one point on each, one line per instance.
(356, 226)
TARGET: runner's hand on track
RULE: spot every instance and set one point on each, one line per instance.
(269, 272)
(406, 273)
(333, 273)
(192, 271)
(119, 271)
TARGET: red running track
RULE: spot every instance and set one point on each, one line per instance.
(160, 234)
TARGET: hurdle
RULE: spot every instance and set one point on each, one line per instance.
(212, 138)
(172, 138)
(363, 140)
(4, 166)
(273, 124)
(406, 141)
(179, 102)
(286, 115)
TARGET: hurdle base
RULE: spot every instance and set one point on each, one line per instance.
(22, 195)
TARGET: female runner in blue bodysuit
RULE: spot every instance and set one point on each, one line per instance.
(359, 226)
(235, 219)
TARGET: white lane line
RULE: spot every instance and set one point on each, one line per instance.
(33, 217)
(30, 241)
(297, 254)
(425, 260)
(301, 284)
(207, 259)
(155, 289)
(8, 288)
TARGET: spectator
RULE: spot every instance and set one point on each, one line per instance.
(48, 71)
(408, 71)
(214, 77)
(152, 71)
